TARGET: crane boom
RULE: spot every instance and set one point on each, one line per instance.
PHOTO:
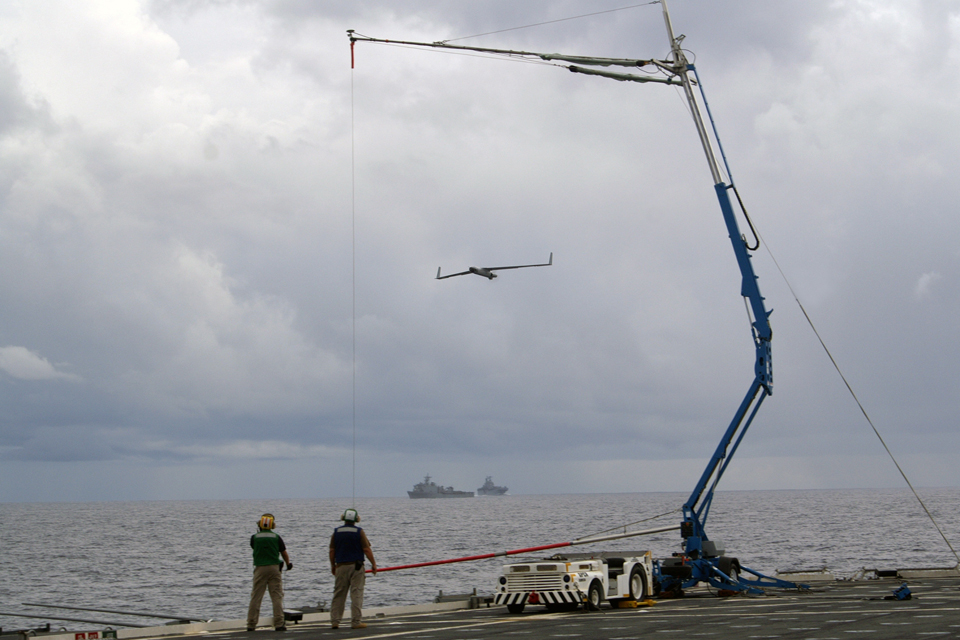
(693, 530)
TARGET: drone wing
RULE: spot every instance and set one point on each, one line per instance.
(440, 277)
(523, 266)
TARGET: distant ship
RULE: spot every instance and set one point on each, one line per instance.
(429, 489)
(490, 489)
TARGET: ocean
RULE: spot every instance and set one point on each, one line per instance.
(193, 558)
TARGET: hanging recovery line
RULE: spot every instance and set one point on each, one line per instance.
(353, 276)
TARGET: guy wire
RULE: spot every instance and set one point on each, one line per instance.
(630, 524)
(857, 400)
(540, 24)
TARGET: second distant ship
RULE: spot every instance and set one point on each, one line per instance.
(490, 489)
(430, 489)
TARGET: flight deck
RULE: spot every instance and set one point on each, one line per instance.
(834, 609)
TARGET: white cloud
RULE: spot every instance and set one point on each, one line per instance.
(23, 364)
(925, 284)
(225, 352)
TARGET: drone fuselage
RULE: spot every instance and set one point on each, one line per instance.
(486, 273)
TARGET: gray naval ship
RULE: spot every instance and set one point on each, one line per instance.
(430, 489)
(490, 489)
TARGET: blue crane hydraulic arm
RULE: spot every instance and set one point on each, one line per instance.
(702, 560)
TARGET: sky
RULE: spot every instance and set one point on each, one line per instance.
(219, 245)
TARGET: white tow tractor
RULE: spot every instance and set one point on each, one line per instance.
(565, 580)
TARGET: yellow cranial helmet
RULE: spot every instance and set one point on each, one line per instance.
(266, 521)
(350, 515)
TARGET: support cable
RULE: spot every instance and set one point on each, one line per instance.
(859, 404)
(630, 524)
(540, 24)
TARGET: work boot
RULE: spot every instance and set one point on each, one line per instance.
(358, 625)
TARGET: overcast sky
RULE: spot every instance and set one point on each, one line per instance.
(185, 188)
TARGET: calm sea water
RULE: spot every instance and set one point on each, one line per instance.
(193, 558)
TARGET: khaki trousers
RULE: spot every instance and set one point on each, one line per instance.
(348, 579)
(266, 578)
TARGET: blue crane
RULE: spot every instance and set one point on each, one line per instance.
(702, 560)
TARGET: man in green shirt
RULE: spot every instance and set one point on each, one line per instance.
(268, 548)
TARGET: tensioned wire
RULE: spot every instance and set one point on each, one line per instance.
(540, 24)
(857, 400)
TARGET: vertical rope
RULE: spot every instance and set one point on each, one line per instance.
(353, 277)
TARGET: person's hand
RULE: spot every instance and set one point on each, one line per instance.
(333, 570)
(289, 566)
(373, 568)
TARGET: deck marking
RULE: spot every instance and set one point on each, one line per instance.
(455, 626)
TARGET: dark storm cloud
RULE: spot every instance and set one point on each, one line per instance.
(184, 203)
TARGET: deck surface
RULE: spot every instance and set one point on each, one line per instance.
(833, 610)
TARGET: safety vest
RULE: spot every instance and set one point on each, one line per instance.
(266, 548)
(347, 544)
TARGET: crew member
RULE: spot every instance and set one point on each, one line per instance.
(348, 546)
(268, 548)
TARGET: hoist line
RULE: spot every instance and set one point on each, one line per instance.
(353, 277)
(859, 404)
(540, 24)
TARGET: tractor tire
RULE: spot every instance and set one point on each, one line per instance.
(731, 567)
(638, 584)
(594, 596)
